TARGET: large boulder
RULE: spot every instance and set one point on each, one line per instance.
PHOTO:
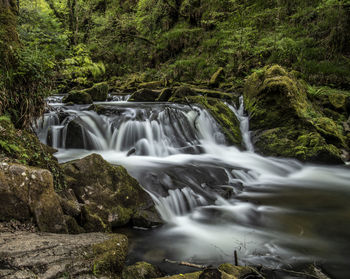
(141, 270)
(98, 91)
(85, 256)
(144, 95)
(78, 97)
(27, 192)
(108, 195)
(284, 121)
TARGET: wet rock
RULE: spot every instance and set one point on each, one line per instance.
(286, 123)
(98, 91)
(78, 97)
(144, 95)
(32, 255)
(109, 196)
(27, 192)
(141, 270)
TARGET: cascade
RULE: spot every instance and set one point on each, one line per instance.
(215, 198)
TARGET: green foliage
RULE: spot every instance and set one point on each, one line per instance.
(80, 67)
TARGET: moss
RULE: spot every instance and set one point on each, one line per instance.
(111, 197)
(92, 222)
(141, 270)
(109, 256)
(217, 77)
(23, 146)
(329, 130)
(277, 103)
(9, 40)
(151, 84)
(236, 271)
(98, 92)
(297, 143)
(78, 97)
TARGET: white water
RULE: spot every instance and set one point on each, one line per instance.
(216, 198)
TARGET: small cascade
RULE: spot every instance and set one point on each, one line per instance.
(244, 124)
(118, 98)
(214, 197)
(147, 131)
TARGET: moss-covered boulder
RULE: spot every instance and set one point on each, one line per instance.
(109, 196)
(98, 91)
(27, 192)
(141, 270)
(109, 256)
(144, 95)
(286, 123)
(24, 147)
(78, 97)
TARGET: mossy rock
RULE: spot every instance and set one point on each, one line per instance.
(28, 192)
(78, 97)
(193, 275)
(24, 147)
(141, 270)
(109, 195)
(109, 256)
(274, 98)
(281, 113)
(98, 91)
(144, 95)
(297, 143)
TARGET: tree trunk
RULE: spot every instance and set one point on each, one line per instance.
(9, 40)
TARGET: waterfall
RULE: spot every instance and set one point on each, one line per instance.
(244, 124)
(215, 198)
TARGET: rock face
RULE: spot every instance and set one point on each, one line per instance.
(27, 192)
(31, 256)
(286, 123)
(109, 197)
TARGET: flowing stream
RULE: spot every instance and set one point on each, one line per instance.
(214, 198)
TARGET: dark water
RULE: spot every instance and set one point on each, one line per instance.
(214, 198)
